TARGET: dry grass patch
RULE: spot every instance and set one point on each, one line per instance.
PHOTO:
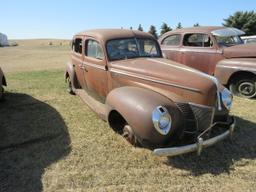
(51, 141)
(34, 55)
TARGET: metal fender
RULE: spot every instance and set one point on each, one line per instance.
(70, 73)
(226, 68)
(136, 105)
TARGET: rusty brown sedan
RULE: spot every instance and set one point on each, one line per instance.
(217, 51)
(153, 102)
(2, 83)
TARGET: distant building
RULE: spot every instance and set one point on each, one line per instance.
(3, 40)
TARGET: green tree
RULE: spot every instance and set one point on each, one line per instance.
(140, 28)
(245, 21)
(165, 28)
(152, 30)
(196, 25)
(179, 26)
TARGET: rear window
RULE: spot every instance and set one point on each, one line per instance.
(172, 40)
(77, 45)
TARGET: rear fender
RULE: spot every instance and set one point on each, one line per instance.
(70, 73)
(4, 81)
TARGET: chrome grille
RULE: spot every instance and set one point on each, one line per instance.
(203, 115)
(197, 117)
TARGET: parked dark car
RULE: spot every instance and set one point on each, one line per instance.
(153, 102)
(217, 51)
(2, 83)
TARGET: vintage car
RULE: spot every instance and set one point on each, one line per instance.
(151, 101)
(2, 83)
(249, 39)
(217, 51)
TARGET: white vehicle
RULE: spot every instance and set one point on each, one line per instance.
(3, 40)
(249, 39)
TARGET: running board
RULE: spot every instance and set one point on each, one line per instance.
(95, 105)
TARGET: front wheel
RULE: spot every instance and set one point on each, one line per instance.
(244, 88)
(129, 135)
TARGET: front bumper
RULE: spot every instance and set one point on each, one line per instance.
(201, 144)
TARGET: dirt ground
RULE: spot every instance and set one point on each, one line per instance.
(51, 141)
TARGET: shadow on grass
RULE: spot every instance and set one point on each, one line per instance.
(221, 157)
(33, 135)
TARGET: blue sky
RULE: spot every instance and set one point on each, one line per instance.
(22, 19)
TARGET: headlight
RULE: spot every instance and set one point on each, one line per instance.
(162, 120)
(227, 98)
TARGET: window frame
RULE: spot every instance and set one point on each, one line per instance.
(177, 34)
(74, 45)
(191, 33)
(86, 49)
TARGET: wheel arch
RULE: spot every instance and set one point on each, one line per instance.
(70, 73)
(4, 81)
(134, 106)
(240, 74)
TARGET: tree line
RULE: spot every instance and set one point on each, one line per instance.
(246, 21)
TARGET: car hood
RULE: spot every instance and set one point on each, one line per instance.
(240, 51)
(168, 74)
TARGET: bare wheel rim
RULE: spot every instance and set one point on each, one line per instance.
(247, 89)
(128, 134)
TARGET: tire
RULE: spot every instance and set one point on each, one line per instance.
(244, 87)
(1, 93)
(69, 87)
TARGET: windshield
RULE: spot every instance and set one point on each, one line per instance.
(228, 36)
(227, 41)
(119, 49)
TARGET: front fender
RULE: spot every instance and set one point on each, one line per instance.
(227, 67)
(136, 106)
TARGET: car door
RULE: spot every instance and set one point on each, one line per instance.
(95, 69)
(171, 47)
(77, 59)
(199, 52)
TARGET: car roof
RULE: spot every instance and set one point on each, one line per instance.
(108, 34)
(205, 29)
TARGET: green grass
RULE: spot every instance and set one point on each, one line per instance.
(51, 141)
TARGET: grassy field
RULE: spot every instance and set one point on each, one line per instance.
(51, 141)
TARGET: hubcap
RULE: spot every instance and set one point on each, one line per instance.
(247, 89)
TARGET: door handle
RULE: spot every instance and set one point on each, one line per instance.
(83, 67)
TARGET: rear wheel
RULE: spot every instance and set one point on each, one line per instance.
(244, 87)
(69, 87)
(1, 93)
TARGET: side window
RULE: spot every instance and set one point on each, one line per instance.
(94, 50)
(148, 47)
(77, 45)
(197, 40)
(172, 40)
